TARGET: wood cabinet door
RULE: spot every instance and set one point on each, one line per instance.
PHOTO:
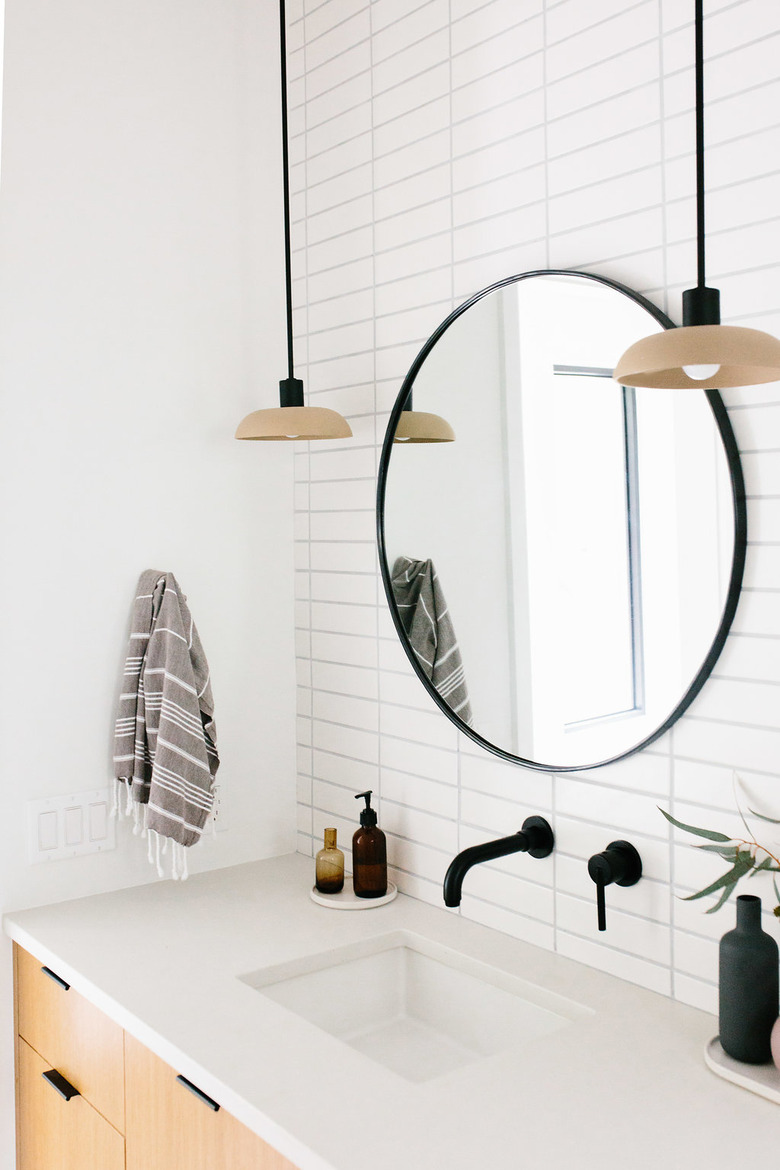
(55, 1134)
(74, 1036)
(169, 1128)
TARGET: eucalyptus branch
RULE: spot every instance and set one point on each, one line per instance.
(739, 852)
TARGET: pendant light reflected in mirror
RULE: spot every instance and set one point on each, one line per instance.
(702, 354)
(291, 419)
(419, 426)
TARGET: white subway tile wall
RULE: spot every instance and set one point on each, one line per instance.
(440, 145)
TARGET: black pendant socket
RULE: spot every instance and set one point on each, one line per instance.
(701, 306)
(291, 392)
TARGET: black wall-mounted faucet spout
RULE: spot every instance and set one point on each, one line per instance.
(536, 837)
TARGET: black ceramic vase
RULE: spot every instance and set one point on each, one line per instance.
(748, 985)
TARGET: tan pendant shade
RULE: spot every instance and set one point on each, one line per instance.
(294, 422)
(746, 357)
(702, 354)
(417, 426)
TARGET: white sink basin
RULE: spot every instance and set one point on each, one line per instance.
(418, 1008)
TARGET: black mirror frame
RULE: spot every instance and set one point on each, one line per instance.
(737, 496)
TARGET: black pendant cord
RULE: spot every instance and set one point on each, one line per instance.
(701, 305)
(286, 181)
(700, 142)
(291, 388)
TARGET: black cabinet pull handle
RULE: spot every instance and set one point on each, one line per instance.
(60, 982)
(58, 1082)
(196, 1092)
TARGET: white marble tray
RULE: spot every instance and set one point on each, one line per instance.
(346, 899)
(763, 1079)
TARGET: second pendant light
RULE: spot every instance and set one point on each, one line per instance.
(702, 353)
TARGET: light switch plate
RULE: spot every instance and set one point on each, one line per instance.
(68, 826)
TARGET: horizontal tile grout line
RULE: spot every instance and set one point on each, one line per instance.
(719, 764)
(748, 635)
(444, 784)
(498, 906)
(610, 947)
(309, 41)
(753, 406)
(654, 81)
(757, 682)
(454, 231)
(723, 722)
(580, 227)
(723, 55)
(711, 187)
(715, 146)
(596, 24)
(341, 540)
(687, 23)
(397, 53)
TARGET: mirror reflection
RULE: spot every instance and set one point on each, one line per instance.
(561, 568)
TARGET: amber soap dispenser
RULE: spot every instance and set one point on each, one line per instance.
(369, 854)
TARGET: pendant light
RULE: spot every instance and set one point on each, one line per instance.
(291, 419)
(702, 353)
(418, 426)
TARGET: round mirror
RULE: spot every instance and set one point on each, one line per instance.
(562, 556)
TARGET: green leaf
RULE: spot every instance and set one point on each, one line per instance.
(742, 864)
(761, 817)
(708, 833)
(727, 892)
(727, 852)
(763, 865)
(777, 894)
(748, 830)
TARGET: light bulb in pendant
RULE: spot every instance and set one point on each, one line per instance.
(700, 372)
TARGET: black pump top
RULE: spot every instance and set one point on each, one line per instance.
(367, 815)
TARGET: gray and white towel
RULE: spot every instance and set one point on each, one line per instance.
(165, 749)
(428, 625)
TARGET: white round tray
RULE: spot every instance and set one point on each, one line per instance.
(346, 899)
(763, 1079)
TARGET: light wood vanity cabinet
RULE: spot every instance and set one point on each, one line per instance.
(130, 1110)
(168, 1126)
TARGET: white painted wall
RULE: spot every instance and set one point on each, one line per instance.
(141, 316)
(441, 145)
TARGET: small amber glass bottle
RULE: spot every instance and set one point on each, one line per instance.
(329, 866)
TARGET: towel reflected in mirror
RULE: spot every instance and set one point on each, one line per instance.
(428, 626)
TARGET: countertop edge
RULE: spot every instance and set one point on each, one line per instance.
(254, 1119)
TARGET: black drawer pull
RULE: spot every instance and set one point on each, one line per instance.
(58, 1082)
(60, 982)
(196, 1092)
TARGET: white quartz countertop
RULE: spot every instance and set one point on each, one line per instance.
(625, 1085)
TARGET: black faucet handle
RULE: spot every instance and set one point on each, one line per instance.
(619, 863)
(541, 839)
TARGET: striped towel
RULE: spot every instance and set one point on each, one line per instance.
(428, 625)
(165, 740)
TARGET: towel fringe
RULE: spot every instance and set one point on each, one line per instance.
(157, 846)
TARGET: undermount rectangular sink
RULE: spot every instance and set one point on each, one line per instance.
(414, 1006)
